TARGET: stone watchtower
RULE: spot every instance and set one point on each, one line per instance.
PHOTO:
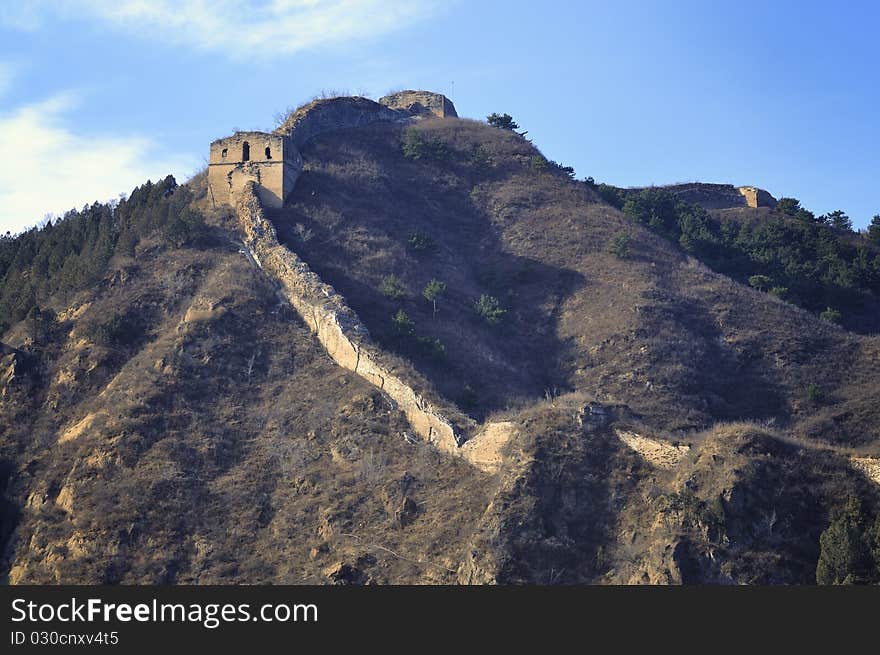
(270, 160)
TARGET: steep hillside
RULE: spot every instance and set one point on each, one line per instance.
(176, 421)
(219, 445)
(680, 345)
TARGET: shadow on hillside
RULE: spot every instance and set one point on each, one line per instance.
(730, 385)
(354, 239)
(9, 514)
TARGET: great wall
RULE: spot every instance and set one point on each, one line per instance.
(336, 326)
(721, 196)
(253, 170)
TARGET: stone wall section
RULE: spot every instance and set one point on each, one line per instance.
(420, 103)
(326, 115)
(720, 196)
(661, 454)
(756, 197)
(337, 327)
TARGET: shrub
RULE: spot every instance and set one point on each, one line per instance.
(538, 163)
(656, 208)
(489, 308)
(620, 246)
(693, 511)
(433, 291)
(432, 348)
(402, 324)
(815, 393)
(831, 315)
(416, 146)
(117, 331)
(184, 228)
(480, 159)
(392, 287)
(760, 282)
(503, 121)
(874, 229)
(614, 196)
(421, 242)
(844, 551)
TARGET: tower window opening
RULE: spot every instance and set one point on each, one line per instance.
(246, 151)
(224, 153)
(268, 152)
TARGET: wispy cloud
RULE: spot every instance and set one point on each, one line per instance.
(250, 29)
(48, 167)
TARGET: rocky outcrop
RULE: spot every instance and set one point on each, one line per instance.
(337, 327)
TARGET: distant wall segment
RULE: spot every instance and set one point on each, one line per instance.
(421, 103)
(721, 196)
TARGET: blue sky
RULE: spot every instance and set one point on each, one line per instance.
(97, 96)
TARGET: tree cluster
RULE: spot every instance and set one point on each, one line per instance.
(817, 263)
(73, 251)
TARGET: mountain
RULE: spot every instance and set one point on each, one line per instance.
(627, 404)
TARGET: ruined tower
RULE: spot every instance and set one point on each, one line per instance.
(420, 103)
(269, 160)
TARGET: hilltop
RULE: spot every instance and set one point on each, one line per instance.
(631, 407)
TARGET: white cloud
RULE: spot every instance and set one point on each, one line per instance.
(248, 29)
(47, 167)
